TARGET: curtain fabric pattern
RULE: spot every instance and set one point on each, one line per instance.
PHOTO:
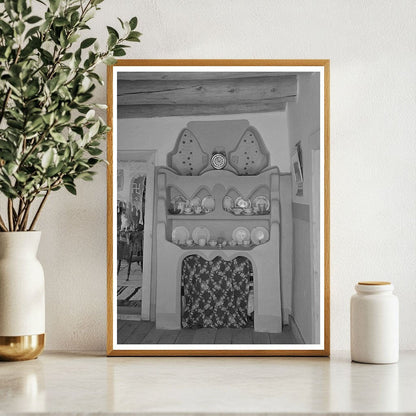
(215, 292)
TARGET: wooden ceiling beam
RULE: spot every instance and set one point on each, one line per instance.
(212, 91)
(186, 76)
(162, 110)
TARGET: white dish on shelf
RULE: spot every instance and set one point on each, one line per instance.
(199, 233)
(261, 203)
(208, 203)
(240, 234)
(180, 234)
(259, 235)
(227, 203)
(242, 203)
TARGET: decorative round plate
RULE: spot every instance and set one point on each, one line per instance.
(200, 232)
(227, 203)
(259, 235)
(240, 202)
(218, 161)
(241, 234)
(261, 201)
(195, 202)
(208, 203)
(180, 234)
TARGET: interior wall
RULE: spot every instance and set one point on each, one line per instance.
(160, 133)
(303, 121)
(373, 147)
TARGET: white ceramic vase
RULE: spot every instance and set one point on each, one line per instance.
(22, 296)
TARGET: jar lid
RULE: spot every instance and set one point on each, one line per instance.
(374, 283)
(370, 287)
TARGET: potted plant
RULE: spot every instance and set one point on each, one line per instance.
(50, 136)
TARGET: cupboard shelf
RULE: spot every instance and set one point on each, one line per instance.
(217, 217)
(238, 248)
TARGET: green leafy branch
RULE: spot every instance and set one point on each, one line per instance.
(50, 134)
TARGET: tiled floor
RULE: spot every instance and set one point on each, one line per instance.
(144, 332)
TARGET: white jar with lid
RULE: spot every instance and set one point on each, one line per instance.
(374, 323)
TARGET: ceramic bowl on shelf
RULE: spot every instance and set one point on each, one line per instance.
(202, 242)
(242, 203)
(237, 211)
(212, 243)
(173, 210)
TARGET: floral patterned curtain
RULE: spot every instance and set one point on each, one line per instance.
(215, 292)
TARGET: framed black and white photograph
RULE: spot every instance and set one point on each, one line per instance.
(212, 248)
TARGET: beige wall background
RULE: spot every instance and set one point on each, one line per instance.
(373, 148)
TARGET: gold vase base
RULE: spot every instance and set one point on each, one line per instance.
(21, 348)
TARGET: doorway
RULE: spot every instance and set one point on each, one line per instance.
(135, 195)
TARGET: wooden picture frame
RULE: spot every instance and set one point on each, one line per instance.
(181, 131)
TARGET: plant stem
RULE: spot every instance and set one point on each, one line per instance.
(2, 224)
(17, 217)
(21, 212)
(26, 216)
(10, 213)
(39, 209)
(3, 108)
